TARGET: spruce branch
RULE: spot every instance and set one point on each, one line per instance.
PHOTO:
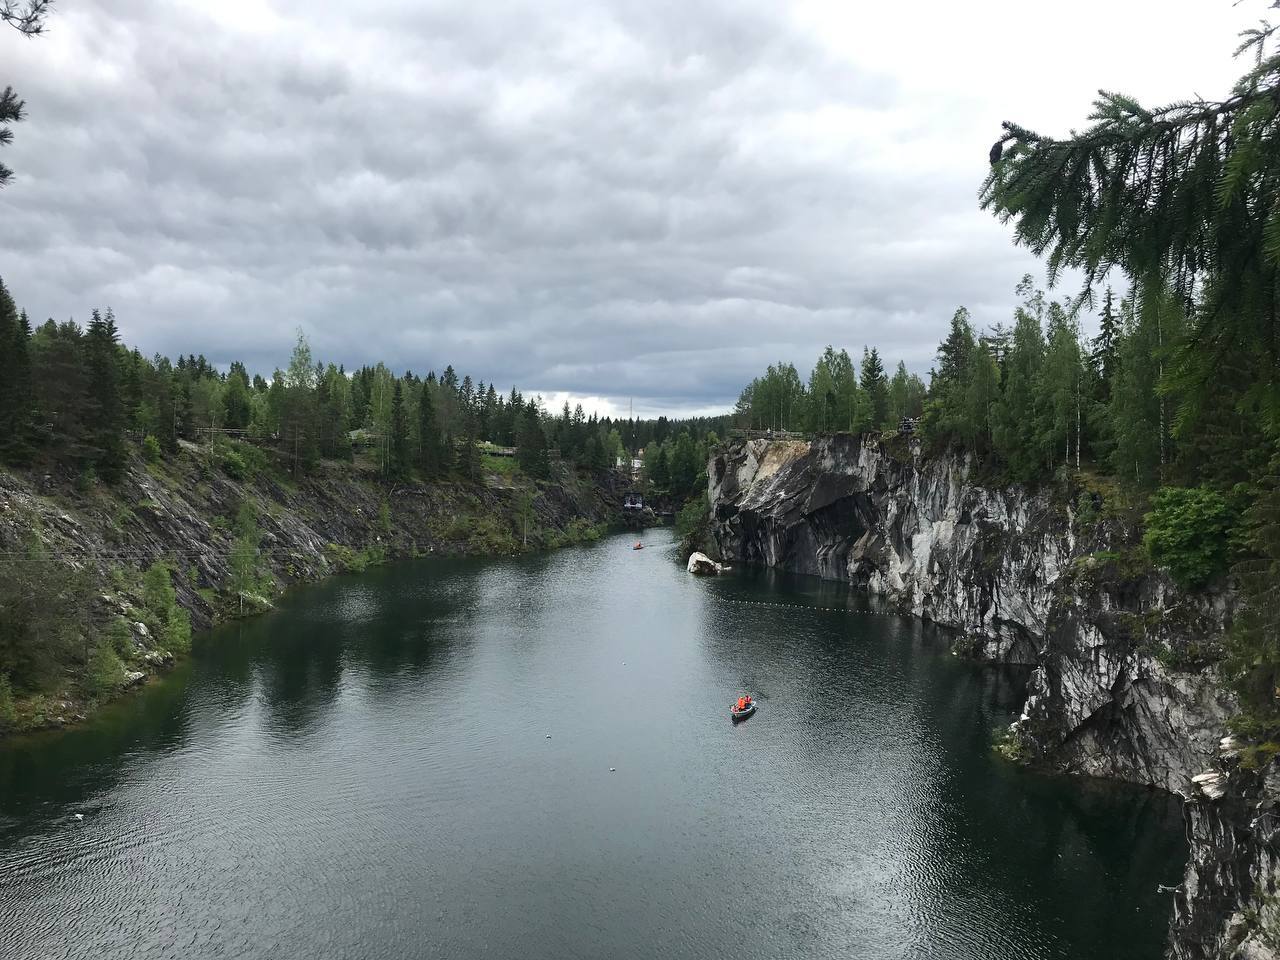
(27, 18)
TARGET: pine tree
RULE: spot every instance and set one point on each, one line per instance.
(399, 444)
(1180, 196)
(1062, 383)
(15, 381)
(1134, 407)
(955, 350)
(657, 466)
(942, 418)
(236, 398)
(531, 443)
(430, 454)
(295, 403)
(10, 112)
(685, 470)
(105, 413)
(1103, 356)
(981, 396)
(1016, 421)
(876, 390)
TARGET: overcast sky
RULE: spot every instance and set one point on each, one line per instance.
(607, 200)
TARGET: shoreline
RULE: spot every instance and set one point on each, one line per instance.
(340, 519)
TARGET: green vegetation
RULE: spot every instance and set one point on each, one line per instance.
(8, 712)
(693, 515)
(1187, 532)
(357, 561)
(837, 397)
(678, 468)
(578, 531)
(1180, 200)
(1008, 743)
(44, 607)
(503, 466)
(1176, 402)
(105, 672)
(248, 580)
(78, 400)
(169, 621)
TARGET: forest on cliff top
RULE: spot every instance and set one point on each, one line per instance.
(1173, 408)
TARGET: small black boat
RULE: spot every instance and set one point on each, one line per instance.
(742, 714)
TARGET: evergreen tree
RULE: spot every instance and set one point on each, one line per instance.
(685, 467)
(15, 381)
(399, 445)
(104, 412)
(955, 350)
(657, 467)
(942, 418)
(1134, 407)
(1062, 388)
(1016, 420)
(531, 443)
(1181, 196)
(1103, 356)
(981, 398)
(296, 406)
(10, 112)
(876, 390)
(236, 398)
(822, 413)
(430, 452)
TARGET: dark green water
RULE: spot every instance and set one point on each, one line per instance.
(366, 773)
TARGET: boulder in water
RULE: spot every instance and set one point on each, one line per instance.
(702, 565)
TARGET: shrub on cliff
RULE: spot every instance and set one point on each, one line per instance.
(104, 672)
(177, 631)
(8, 715)
(1188, 533)
(158, 594)
(168, 619)
(693, 524)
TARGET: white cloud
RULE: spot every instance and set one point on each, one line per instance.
(610, 202)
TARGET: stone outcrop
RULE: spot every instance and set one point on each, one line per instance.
(1122, 682)
(702, 565)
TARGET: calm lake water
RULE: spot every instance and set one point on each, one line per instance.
(366, 772)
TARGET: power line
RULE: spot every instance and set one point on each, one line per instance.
(140, 554)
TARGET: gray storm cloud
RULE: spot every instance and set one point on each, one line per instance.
(609, 200)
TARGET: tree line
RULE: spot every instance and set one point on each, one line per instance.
(75, 397)
(837, 398)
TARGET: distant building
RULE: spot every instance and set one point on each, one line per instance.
(637, 464)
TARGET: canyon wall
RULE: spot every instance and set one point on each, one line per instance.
(1123, 683)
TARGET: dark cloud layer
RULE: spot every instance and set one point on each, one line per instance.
(647, 200)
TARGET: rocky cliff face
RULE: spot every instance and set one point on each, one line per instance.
(182, 511)
(1122, 683)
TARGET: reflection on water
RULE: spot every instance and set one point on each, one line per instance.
(417, 762)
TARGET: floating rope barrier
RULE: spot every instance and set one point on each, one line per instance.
(804, 606)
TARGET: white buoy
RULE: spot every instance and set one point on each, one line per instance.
(612, 769)
(548, 736)
(79, 816)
